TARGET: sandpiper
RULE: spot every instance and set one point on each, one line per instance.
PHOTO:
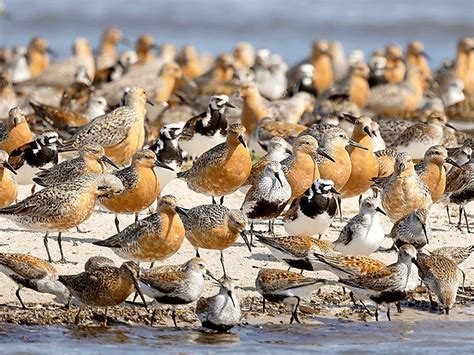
(30, 157)
(345, 266)
(223, 169)
(417, 57)
(364, 163)
(107, 55)
(59, 117)
(395, 67)
(141, 186)
(300, 168)
(313, 212)
(208, 129)
(286, 287)
(404, 190)
(322, 63)
(16, 132)
(440, 274)
(214, 227)
(412, 229)
(91, 161)
(268, 196)
(432, 171)
(363, 234)
(169, 152)
(220, 312)
(96, 262)
(8, 188)
(355, 84)
(62, 206)
(154, 238)
(103, 287)
(387, 285)
(38, 59)
(460, 256)
(33, 273)
(297, 250)
(176, 284)
(121, 132)
(386, 161)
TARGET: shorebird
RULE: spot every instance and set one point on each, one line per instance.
(270, 74)
(154, 238)
(363, 234)
(392, 128)
(8, 188)
(223, 169)
(107, 55)
(16, 132)
(355, 85)
(395, 67)
(168, 151)
(432, 171)
(339, 60)
(304, 80)
(18, 67)
(460, 256)
(277, 150)
(363, 161)
(121, 132)
(300, 168)
(176, 284)
(417, 57)
(62, 206)
(404, 190)
(412, 229)
(59, 117)
(96, 106)
(333, 140)
(395, 99)
(188, 58)
(378, 143)
(37, 55)
(220, 312)
(388, 284)
(345, 266)
(208, 129)
(120, 68)
(91, 160)
(96, 262)
(286, 287)
(144, 48)
(28, 159)
(416, 139)
(142, 187)
(268, 196)
(377, 64)
(103, 287)
(296, 251)
(440, 275)
(214, 227)
(244, 55)
(313, 212)
(76, 96)
(33, 273)
(386, 161)
(323, 70)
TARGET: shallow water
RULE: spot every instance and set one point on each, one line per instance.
(286, 27)
(418, 337)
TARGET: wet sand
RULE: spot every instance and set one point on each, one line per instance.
(241, 264)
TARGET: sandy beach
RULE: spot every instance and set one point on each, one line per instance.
(330, 303)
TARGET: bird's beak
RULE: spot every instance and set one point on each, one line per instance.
(378, 209)
(326, 155)
(334, 191)
(414, 261)
(126, 42)
(348, 117)
(107, 160)
(208, 273)
(137, 287)
(357, 145)
(425, 232)
(181, 210)
(192, 83)
(453, 162)
(149, 102)
(277, 175)
(228, 104)
(367, 130)
(162, 165)
(231, 298)
(8, 166)
(51, 52)
(246, 240)
(451, 126)
(241, 140)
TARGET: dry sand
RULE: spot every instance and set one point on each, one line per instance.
(241, 264)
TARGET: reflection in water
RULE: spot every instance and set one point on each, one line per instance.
(210, 338)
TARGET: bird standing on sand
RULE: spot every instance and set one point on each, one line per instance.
(412, 229)
(460, 256)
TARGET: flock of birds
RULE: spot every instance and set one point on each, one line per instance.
(113, 129)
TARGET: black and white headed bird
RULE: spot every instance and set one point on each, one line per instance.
(208, 129)
(304, 80)
(169, 152)
(28, 159)
(313, 212)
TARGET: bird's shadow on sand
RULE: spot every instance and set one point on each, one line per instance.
(262, 257)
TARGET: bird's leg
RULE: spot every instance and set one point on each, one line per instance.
(136, 217)
(399, 307)
(367, 309)
(45, 241)
(351, 294)
(377, 313)
(447, 212)
(173, 316)
(62, 260)
(33, 189)
(222, 263)
(431, 300)
(77, 319)
(289, 269)
(152, 320)
(339, 206)
(301, 272)
(104, 323)
(463, 280)
(213, 200)
(17, 293)
(388, 313)
(152, 264)
(263, 304)
(117, 224)
(294, 315)
(465, 218)
(221, 202)
(460, 218)
(360, 200)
